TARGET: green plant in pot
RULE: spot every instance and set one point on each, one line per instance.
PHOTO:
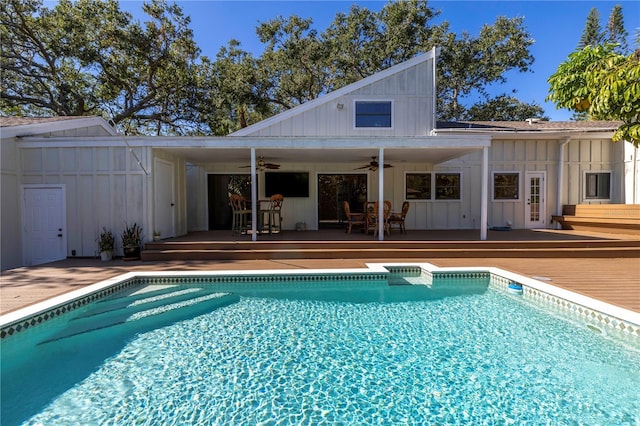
(131, 241)
(106, 244)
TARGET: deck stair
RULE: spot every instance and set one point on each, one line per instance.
(261, 250)
(165, 304)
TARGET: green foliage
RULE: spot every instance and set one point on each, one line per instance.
(504, 108)
(131, 236)
(602, 83)
(87, 57)
(106, 241)
(592, 35)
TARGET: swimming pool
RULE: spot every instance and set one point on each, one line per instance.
(452, 348)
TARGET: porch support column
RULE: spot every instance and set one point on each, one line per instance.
(381, 194)
(254, 197)
(485, 194)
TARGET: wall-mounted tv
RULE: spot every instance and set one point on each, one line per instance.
(289, 184)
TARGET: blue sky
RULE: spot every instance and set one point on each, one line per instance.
(555, 25)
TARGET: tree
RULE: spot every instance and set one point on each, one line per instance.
(592, 34)
(615, 29)
(603, 83)
(504, 108)
(90, 58)
(469, 64)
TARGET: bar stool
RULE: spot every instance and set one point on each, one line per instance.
(274, 219)
(241, 214)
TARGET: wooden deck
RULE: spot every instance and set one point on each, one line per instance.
(611, 279)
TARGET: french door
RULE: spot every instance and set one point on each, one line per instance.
(535, 197)
(333, 191)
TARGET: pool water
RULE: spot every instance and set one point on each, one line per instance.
(452, 353)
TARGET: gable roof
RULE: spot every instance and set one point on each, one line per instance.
(28, 126)
(432, 54)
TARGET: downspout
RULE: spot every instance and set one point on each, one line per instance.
(434, 51)
(484, 194)
(254, 197)
(566, 140)
(381, 194)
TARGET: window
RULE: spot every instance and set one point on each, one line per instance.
(506, 186)
(597, 185)
(447, 186)
(373, 114)
(418, 186)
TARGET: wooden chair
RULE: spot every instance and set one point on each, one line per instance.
(372, 217)
(274, 213)
(398, 218)
(241, 214)
(353, 219)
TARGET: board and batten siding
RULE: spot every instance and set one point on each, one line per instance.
(593, 155)
(105, 186)
(11, 241)
(410, 90)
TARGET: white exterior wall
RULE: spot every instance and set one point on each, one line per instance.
(180, 194)
(410, 90)
(593, 155)
(104, 187)
(10, 214)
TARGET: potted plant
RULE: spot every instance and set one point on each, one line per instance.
(131, 241)
(156, 235)
(106, 244)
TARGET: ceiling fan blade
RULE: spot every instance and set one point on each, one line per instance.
(386, 166)
(363, 167)
(272, 166)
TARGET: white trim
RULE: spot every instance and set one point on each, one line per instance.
(23, 188)
(337, 93)
(404, 185)
(493, 190)
(27, 130)
(376, 100)
(460, 186)
(584, 185)
(528, 224)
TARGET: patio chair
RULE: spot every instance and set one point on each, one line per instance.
(372, 217)
(274, 213)
(241, 214)
(353, 219)
(398, 218)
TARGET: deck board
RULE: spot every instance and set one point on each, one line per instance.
(612, 280)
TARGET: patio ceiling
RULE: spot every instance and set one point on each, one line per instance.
(357, 152)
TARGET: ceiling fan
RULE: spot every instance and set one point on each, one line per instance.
(262, 165)
(373, 165)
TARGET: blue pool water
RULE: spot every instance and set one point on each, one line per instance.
(452, 353)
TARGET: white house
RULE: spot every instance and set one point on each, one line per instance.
(64, 178)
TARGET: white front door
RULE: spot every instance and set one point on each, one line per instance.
(164, 198)
(44, 233)
(535, 209)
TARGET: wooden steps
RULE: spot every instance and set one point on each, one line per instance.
(265, 250)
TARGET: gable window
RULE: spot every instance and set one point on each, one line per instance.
(447, 186)
(418, 186)
(597, 185)
(506, 186)
(376, 114)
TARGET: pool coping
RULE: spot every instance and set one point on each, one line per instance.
(620, 319)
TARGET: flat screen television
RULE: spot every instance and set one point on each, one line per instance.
(289, 184)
